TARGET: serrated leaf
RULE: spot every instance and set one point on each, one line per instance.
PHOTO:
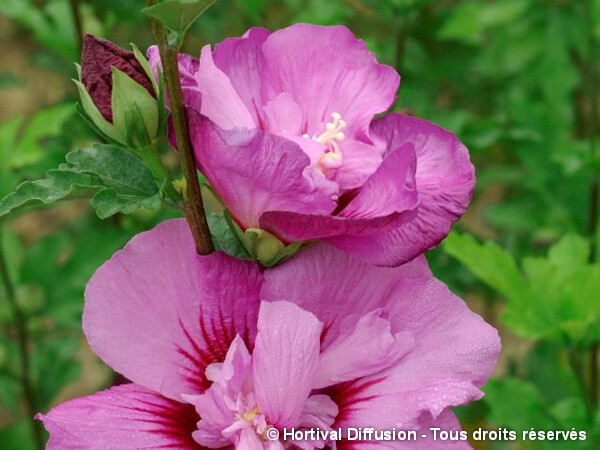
(58, 185)
(107, 203)
(116, 180)
(556, 297)
(178, 15)
(116, 167)
(570, 252)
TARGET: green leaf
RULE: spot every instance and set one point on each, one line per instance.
(55, 365)
(58, 185)
(19, 151)
(108, 202)
(488, 261)
(469, 19)
(17, 436)
(508, 395)
(115, 179)
(178, 15)
(224, 237)
(556, 297)
(547, 366)
(51, 25)
(47, 122)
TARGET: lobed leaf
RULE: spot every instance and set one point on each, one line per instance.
(116, 180)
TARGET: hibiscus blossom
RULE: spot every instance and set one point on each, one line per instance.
(220, 351)
(282, 127)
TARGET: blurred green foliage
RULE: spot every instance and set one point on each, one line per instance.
(517, 80)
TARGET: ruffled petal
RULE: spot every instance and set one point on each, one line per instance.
(293, 226)
(341, 76)
(454, 350)
(360, 161)
(446, 421)
(160, 314)
(336, 286)
(253, 171)
(445, 181)
(367, 402)
(215, 406)
(123, 417)
(387, 200)
(390, 189)
(368, 347)
(319, 412)
(285, 360)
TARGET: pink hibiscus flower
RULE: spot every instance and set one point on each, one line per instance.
(220, 351)
(282, 127)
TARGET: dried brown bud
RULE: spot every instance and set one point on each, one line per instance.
(97, 59)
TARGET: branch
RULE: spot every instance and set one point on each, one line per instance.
(193, 206)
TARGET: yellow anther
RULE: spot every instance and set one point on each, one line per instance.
(251, 415)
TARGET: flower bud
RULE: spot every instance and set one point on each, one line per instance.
(118, 92)
(266, 248)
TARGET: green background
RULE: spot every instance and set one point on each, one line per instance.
(517, 80)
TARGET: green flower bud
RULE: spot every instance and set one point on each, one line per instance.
(266, 248)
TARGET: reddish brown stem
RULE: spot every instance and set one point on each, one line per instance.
(193, 206)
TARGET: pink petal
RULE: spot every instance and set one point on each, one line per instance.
(319, 412)
(123, 417)
(447, 421)
(285, 359)
(284, 115)
(326, 69)
(254, 171)
(214, 405)
(233, 371)
(160, 314)
(249, 440)
(369, 401)
(220, 101)
(314, 149)
(336, 286)
(445, 181)
(368, 347)
(188, 66)
(454, 350)
(360, 162)
(451, 340)
(294, 226)
(390, 189)
(241, 60)
(386, 200)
